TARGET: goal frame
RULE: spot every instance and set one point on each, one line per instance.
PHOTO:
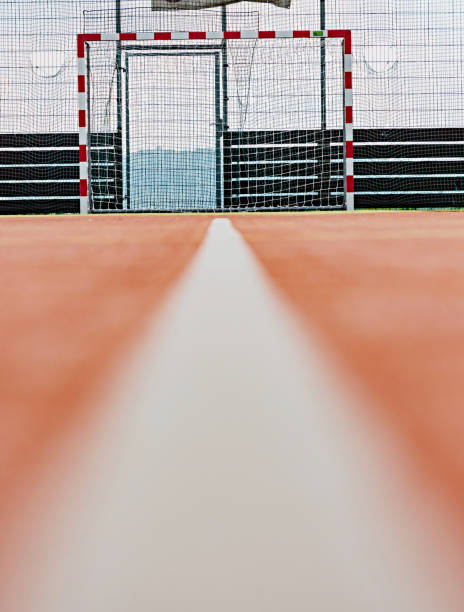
(82, 88)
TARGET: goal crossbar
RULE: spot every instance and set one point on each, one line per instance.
(83, 110)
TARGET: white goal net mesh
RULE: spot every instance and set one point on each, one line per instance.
(199, 125)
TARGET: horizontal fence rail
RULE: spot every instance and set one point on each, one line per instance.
(408, 168)
(39, 173)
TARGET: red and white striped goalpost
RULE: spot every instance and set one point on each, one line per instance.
(253, 34)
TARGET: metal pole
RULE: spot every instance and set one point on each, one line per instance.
(128, 168)
(118, 54)
(118, 141)
(225, 155)
(323, 69)
(225, 84)
(217, 99)
(323, 155)
(90, 205)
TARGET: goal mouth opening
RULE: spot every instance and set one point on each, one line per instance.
(215, 121)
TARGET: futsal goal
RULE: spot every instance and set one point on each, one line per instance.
(215, 121)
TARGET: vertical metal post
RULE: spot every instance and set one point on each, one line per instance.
(225, 67)
(225, 152)
(127, 152)
(118, 31)
(217, 103)
(323, 152)
(89, 131)
(323, 69)
(118, 141)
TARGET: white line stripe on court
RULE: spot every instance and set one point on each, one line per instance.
(231, 477)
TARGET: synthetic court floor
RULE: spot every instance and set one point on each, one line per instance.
(254, 413)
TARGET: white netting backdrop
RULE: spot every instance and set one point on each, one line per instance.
(407, 79)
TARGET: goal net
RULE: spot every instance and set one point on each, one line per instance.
(212, 121)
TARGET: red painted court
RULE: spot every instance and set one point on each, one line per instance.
(281, 366)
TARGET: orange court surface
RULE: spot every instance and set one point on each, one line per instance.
(377, 302)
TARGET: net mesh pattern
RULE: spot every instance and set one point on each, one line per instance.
(407, 83)
(407, 56)
(186, 146)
